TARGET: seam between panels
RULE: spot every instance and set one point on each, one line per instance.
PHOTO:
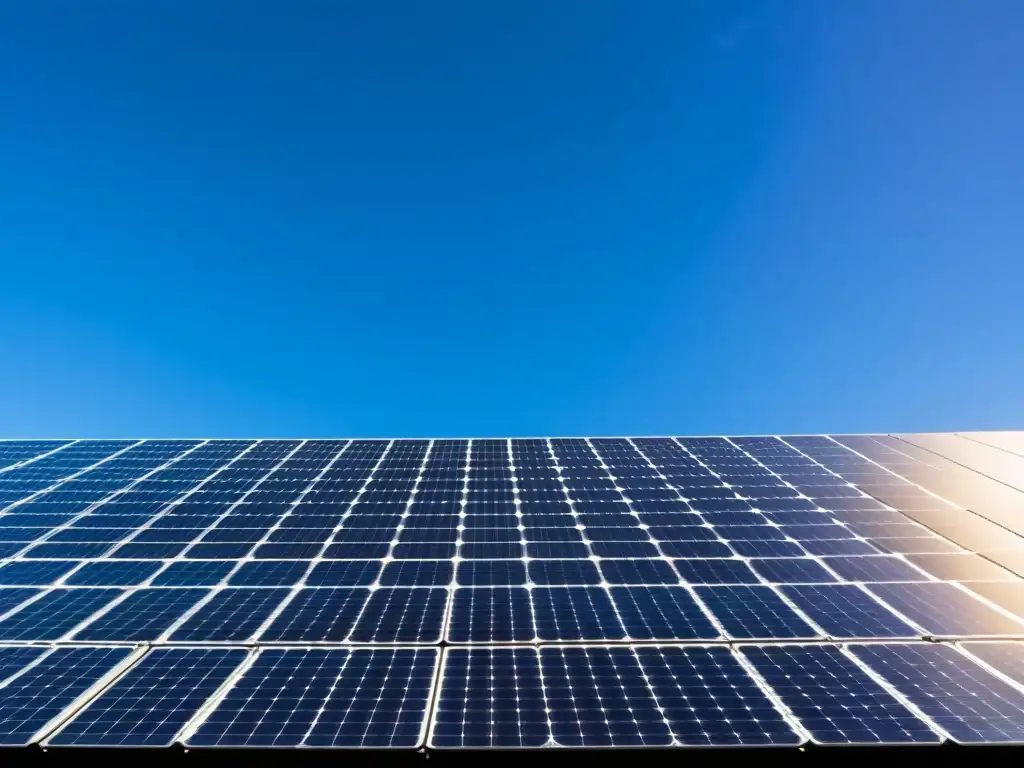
(72, 710)
(129, 591)
(170, 506)
(108, 499)
(214, 591)
(34, 459)
(74, 475)
(894, 692)
(218, 696)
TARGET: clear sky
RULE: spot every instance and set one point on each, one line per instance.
(516, 217)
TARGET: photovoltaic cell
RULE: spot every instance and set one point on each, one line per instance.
(598, 697)
(491, 697)
(12, 597)
(194, 573)
(113, 573)
(575, 613)
(233, 614)
(325, 698)
(972, 705)
(491, 614)
(13, 658)
(835, 700)
(318, 615)
(942, 609)
(402, 615)
(881, 568)
(153, 701)
(143, 615)
(30, 701)
(1008, 658)
(754, 612)
(55, 614)
(39, 573)
(661, 613)
(845, 611)
(793, 570)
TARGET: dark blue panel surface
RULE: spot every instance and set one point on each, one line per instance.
(402, 615)
(143, 615)
(344, 573)
(12, 597)
(942, 609)
(13, 658)
(491, 614)
(598, 697)
(55, 614)
(232, 614)
(36, 697)
(754, 613)
(34, 573)
(491, 697)
(193, 573)
(835, 700)
(318, 615)
(150, 704)
(661, 613)
(325, 698)
(575, 613)
(715, 571)
(708, 698)
(845, 611)
(792, 570)
(965, 700)
(113, 573)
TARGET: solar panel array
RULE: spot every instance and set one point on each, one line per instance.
(525, 593)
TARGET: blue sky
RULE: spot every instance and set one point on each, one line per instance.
(510, 218)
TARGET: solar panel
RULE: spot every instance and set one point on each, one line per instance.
(31, 701)
(845, 611)
(966, 701)
(143, 615)
(754, 612)
(586, 592)
(942, 609)
(153, 701)
(325, 698)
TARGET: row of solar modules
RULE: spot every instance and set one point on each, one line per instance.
(188, 520)
(569, 696)
(493, 614)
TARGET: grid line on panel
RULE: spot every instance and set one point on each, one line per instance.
(789, 484)
(835, 702)
(196, 487)
(777, 592)
(14, 505)
(963, 698)
(249, 491)
(152, 701)
(408, 511)
(32, 702)
(888, 471)
(693, 593)
(321, 698)
(276, 616)
(293, 505)
(108, 613)
(121, 491)
(33, 459)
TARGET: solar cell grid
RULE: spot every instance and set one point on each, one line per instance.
(31, 700)
(962, 698)
(153, 701)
